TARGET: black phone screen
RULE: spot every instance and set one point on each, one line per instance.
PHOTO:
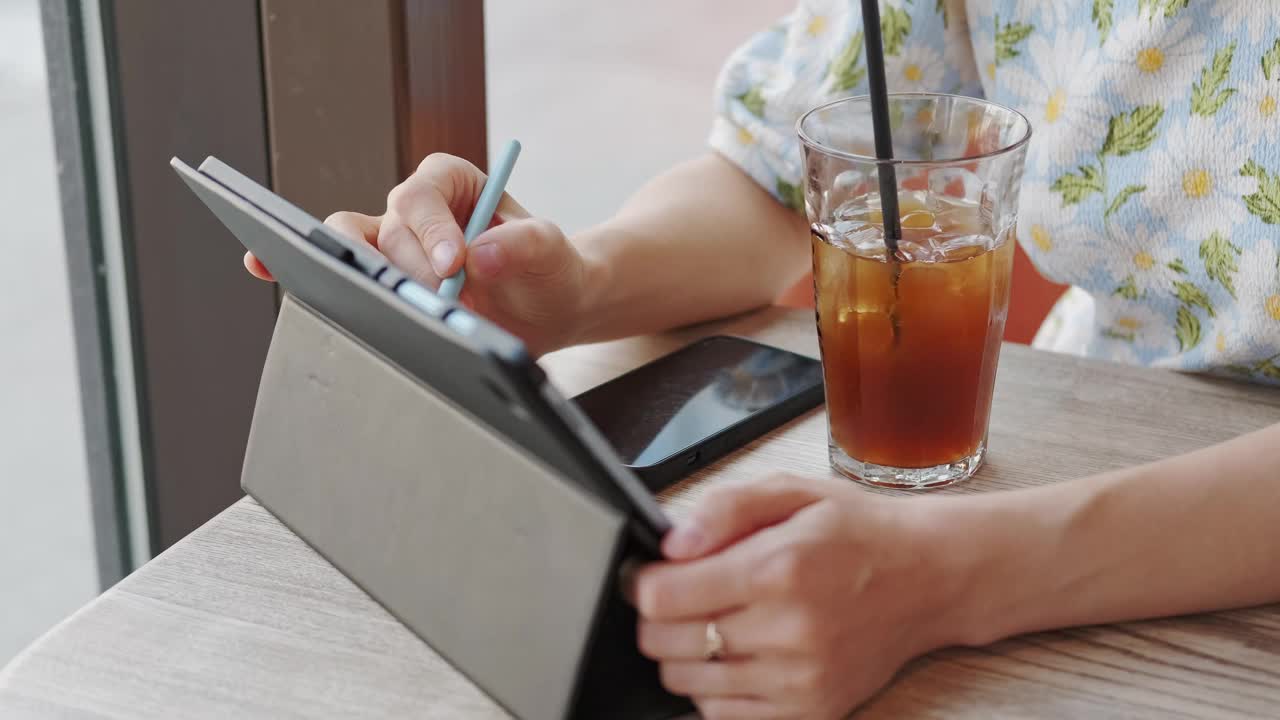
(683, 399)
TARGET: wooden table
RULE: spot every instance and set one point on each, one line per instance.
(242, 620)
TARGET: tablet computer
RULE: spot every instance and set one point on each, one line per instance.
(473, 363)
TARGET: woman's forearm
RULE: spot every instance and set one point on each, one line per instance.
(701, 241)
(1192, 533)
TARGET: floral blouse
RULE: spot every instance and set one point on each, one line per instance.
(1153, 175)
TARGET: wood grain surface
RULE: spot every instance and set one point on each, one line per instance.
(241, 619)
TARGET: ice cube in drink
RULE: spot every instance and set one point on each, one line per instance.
(910, 343)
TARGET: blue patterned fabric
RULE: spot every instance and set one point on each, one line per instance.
(1153, 176)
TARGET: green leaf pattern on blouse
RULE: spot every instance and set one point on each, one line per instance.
(1153, 177)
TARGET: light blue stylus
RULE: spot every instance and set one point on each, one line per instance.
(483, 214)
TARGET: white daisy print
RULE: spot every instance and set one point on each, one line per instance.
(984, 57)
(1236, 16)
(1250, 336)
(1147, 57)
(1257, 108)
(814, 19)
(1143, 261)
(1193, 178)
(743, 146)
(1224, 347)
(916, 68)
(1137, 324)
(1227, 344)
(1053, 13)
(737, 78)
(1258, 287)
(1060, 98)
(1055, 237)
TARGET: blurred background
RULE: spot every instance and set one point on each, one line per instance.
(130, 338)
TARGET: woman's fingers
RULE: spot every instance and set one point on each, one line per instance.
(767, 563)
(418, 234)
(743, 678)
(745, 633)
(421, 232)
(530, 247)
(356, 226)
(256, 268)
(422, 229)
(778, 688)
(675, 592)
(731, 512)
(736, 708)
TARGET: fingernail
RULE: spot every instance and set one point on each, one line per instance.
(486, 259)
(686, 540)
(442, 256)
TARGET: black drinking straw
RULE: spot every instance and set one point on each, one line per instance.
(880, 124)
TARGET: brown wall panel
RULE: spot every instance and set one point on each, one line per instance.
(359, 93)
(331, 69)
(186, 80)
(444, 49)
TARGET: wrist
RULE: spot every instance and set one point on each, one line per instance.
(986, 557)
(1030, 560)
(590, 306)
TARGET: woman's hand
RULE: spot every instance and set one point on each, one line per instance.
(820, 591)
(523, 274)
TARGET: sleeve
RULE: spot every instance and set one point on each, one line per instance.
(815, 55)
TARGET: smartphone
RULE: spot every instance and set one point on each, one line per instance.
(687, 409)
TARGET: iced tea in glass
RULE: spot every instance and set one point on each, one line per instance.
(911, 338)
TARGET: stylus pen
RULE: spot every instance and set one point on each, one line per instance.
(483, 214)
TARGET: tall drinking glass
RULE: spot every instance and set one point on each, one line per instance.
(910, 339)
